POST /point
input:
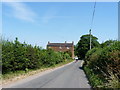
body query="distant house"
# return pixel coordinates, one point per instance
(62, 47)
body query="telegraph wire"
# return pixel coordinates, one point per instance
(92, 24)
(93, 15)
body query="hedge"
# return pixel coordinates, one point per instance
(21, 56)
(104, 63)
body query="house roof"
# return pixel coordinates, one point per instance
(60, 44)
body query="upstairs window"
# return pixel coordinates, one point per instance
(68, 48)
(60, 47)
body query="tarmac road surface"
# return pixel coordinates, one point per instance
(69, 76)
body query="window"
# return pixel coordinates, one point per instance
(60, 47)
(68, 48)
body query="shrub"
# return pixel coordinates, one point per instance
(21, 56)
(104, 63)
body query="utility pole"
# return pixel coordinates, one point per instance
(90, 38)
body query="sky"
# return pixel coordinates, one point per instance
(37, 23)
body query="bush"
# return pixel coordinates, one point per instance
(21, 56)
(104, 63)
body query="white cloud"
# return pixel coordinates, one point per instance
(22, 11)
(49, 15)
(53, 14)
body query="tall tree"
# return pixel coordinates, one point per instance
(83, 45)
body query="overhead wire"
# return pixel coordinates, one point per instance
(93, 15)
(92, 24)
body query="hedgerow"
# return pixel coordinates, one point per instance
(21, 56)
(102, 65)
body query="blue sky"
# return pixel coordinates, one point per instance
(37, 23)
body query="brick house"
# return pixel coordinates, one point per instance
(62, 47)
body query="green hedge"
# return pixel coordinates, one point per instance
(21, 56)
(102, 65)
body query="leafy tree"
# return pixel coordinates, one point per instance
(107, 43)
(7, 56)
(84, 45)
(75, 49)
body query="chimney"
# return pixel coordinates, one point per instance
(48, 42)
(72, 42)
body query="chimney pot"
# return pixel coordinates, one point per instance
(72, 42)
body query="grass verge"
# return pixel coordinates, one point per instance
(94, 80)
(12, 77)
(99, 83)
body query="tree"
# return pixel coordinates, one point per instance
(107, 43)
(75, 50)
(83, 45)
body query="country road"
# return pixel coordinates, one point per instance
(69, 76)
